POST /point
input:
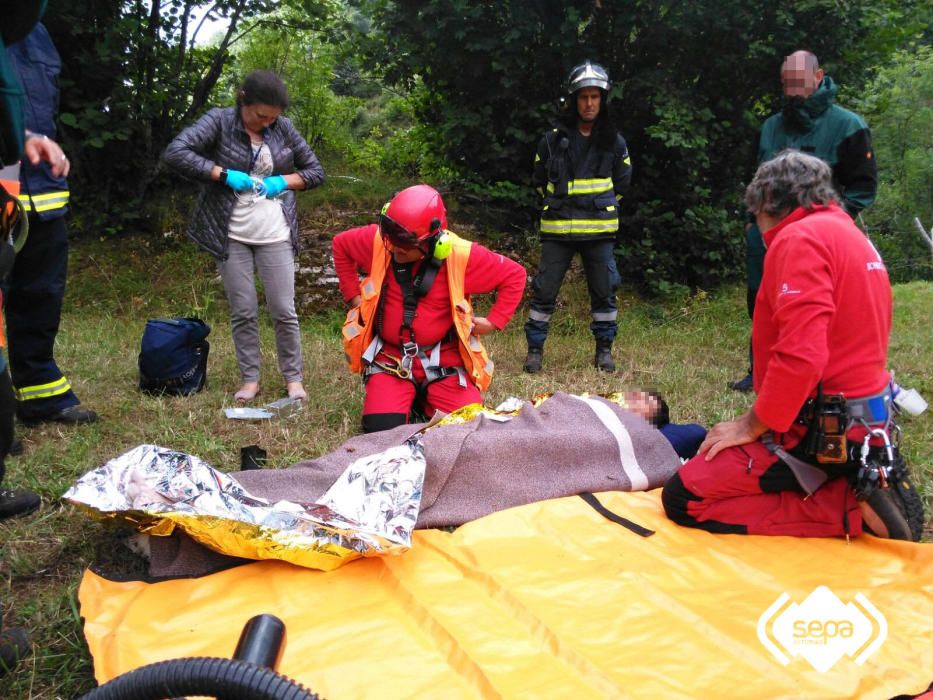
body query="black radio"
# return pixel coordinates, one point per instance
(830, 421)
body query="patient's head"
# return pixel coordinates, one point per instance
(648, 404)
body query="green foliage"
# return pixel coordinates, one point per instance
(132, 75)
(710, 240)
(691, 84)
(898, 105)
(458, 93)
(335, 103)
(389, 140)
(305, 61)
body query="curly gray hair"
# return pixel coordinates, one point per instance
(789, 180)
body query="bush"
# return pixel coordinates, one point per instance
(898, 105)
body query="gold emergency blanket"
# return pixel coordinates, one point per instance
(369, 511)
(550, 600)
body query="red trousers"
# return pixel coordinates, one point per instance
(390, 399)
(748, 490)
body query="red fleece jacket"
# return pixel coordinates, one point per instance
(486, 272)
(823, 311)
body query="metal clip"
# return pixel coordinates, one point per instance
(888, 447)
(863, 454)
(399, 370)
(876, 474)
(884, 471)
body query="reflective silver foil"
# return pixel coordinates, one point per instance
(370, 510)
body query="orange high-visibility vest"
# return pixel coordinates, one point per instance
(359, 328)
(12, 188)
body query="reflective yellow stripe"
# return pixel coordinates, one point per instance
(586, 186)
(579, 226)
(592, 186)
(62, 194)
(45, 202)
(43, 391)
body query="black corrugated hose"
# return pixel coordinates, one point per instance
(229, 679)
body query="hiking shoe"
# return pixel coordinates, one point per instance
(744, 384)
(603, 359)
(16, 503)
(533, 360)
(73, 415)
(16, 447)
(14, 645)
(895, 512)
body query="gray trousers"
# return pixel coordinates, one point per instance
(275, 263)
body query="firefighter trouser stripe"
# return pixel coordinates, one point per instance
(538, 316)
(44, 202)
(605, 315)
(43, 391)
(611, 422)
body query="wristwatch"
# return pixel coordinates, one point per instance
(223, 175)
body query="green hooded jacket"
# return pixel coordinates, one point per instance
(835, 135)
(822, 128)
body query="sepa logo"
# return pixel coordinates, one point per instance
(822, 629)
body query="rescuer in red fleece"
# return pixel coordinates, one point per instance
(411, 331)
(794, 464)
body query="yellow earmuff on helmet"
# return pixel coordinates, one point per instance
(443, 246)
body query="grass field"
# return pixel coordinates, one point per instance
(688, 348)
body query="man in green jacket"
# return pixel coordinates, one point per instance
(812, 122)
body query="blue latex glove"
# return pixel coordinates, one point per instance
(238, 181)
(275, 185)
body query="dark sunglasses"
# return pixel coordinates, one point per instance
(397, 234)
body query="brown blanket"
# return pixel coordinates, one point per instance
(567, 445)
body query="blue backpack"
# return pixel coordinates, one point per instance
(173, 356)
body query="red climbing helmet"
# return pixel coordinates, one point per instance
(415, 215)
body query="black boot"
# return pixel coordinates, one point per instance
(14, 645)
(16, 503)
(603, 359)
(533, 360)
(744, 384)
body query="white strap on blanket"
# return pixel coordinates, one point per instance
(611, 421)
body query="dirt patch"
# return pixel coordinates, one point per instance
(315, 276)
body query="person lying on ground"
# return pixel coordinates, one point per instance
(650, 405)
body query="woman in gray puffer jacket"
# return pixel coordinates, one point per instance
(251, 160)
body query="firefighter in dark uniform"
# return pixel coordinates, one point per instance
(37, 284)
(581, 169)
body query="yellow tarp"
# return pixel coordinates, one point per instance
(548, 600)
